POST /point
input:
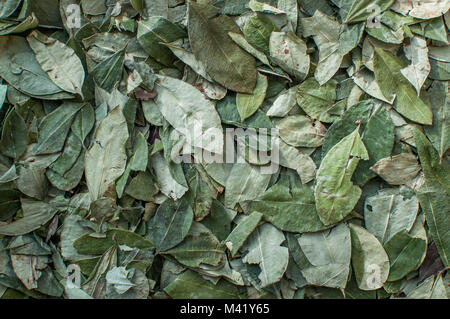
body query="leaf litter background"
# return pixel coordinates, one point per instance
(358, 209)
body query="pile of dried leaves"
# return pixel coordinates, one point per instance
(97, 101)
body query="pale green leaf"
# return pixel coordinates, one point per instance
(190, 285)
(419, 69)
(176, 97)
(264, 249)
(59, 61)
(170, 224)
(300, 131)
(54, 128)
(106, 158)
(225, 61)
(35, 214)
(370, 261)
(248, 104)
(240, 233)
(14, 135)
(325, 32)
(326, 257)
(289, 52)
(391, 81)
(335, 194)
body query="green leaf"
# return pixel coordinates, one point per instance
(301, 131)
(153, 33)
(35, 214)
(326, 257)
(74, 227)
(386, 34)
(9, 203)
(54, 128)
(32, 182)
(14, 135)
(370, 261)
(72, 150)
(388, 213)
(168, 185)
(350, 37)
(434, 29)
(291, 9)
(264, 249)
(106, 158)
(391, 81)
(290, 53)
(95, 284)
(431, 288)
(176, 97)
(142, 187)
(23, 70)
(318, 101)
(244, 44)
(8, 7)
(199, 247)
(435, 203)
(297, 160)
(59, 61)
(247, 104)
(335, 194)
(3, 91)
(170, 224)
(438, 98)
(434, 170)
(90, 245)
(257, 31)
(245, 182)
(361, 10)
(84, 122)
(291, 210)
(26, 23)
(377, 134)
(365, 80)
(219, 220)
(139, 160)
(71, 178)
(189, 59)
(225, 61)
(406, 251)
(108, 72)
(152, 113)
(325, 32)
(93, 7)
(229, 114)
(190, 285)
(138, 181)
(240, 233)
(202, 192)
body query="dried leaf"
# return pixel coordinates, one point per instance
(59, 61)
(225, 61)
(106, 158)
(264, 249)
(335, 194)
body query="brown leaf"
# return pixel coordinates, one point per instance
(432, 265)
(141, 94)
